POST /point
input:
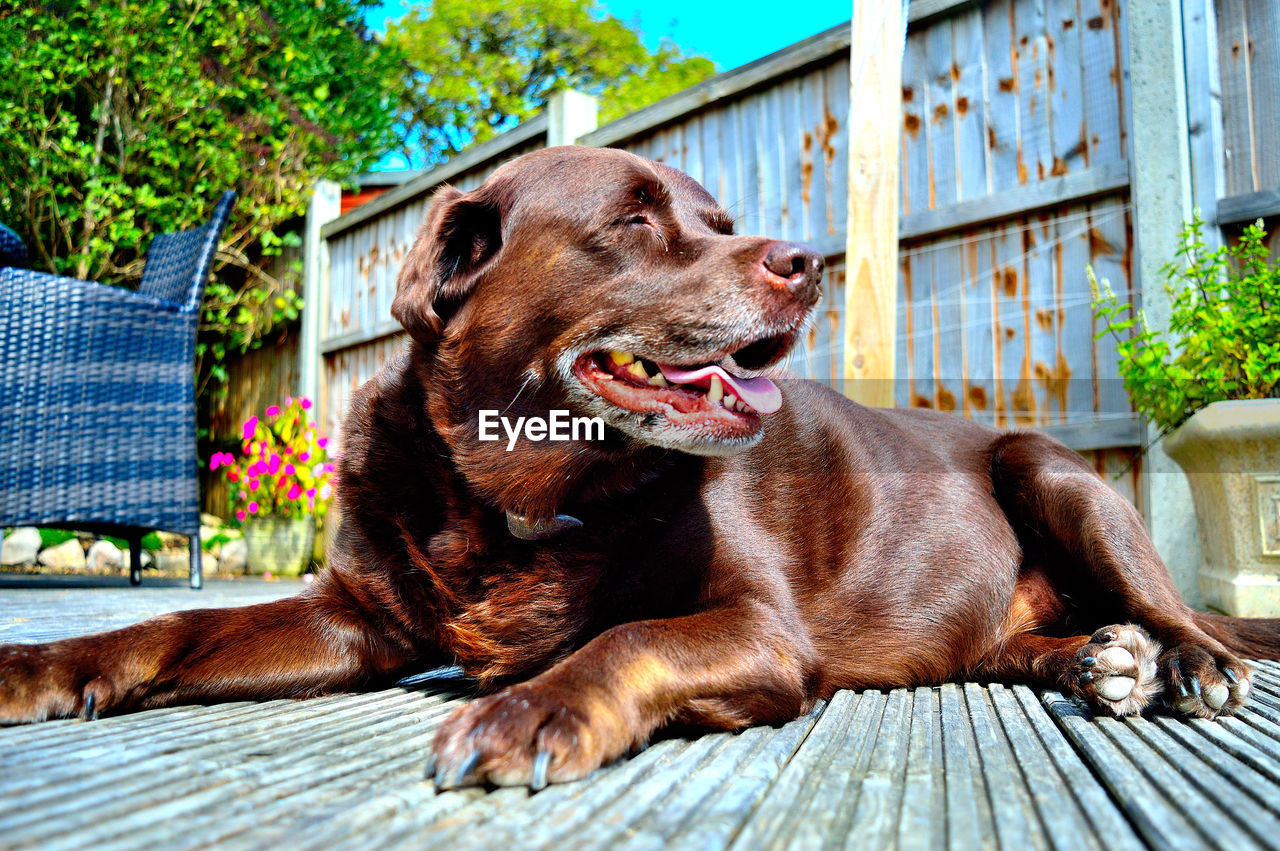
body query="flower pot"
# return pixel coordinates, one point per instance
(1230, 452)
(278, 545)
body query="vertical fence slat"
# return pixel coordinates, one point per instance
(1264, 85)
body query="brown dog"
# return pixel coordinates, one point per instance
(708, 559)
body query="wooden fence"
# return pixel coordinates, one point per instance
(1016, 166)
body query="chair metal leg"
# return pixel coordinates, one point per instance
(135, 558)
(197, 562)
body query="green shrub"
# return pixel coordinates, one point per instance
(1224, 340)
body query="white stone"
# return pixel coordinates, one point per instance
(234, 557)
(67, 555)
(104, 557)
(20, 547)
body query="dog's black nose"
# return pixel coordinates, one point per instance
(799, 267)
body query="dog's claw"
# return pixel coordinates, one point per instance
(1231, 675)
(1086, 677)
(91, 707)
(432, 764)
(541, 763)
(1089, 661)
(1195, 685)
(464, 771)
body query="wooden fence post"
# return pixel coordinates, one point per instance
(570, 115)
(325, 206)
(871, 255)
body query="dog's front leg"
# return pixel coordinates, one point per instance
(293, 647)
(725, 668)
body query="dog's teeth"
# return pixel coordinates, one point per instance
(637, 369)
(730, 401)
(658, 380)
(621, 358)
(716, 391)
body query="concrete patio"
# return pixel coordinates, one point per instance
(961, 765)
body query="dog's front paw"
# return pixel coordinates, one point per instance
(525, 735)
(1204, 684)
(37, 682)
(1116, 671)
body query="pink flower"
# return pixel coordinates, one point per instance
(311, 492)
(295, 492)
(306, 404)
(274, 464)
(322, 442)
(289, 469)
(325, 490)
(273, 411)
(253, 508)
(250, 426)
(253, 484)
(215, 461)
(304, 457)
(241, 515)
(256, 469)
(328, 468)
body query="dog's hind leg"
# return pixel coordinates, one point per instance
(1057, 500)
(308, 644)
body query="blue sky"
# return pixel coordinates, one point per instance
(730, 33)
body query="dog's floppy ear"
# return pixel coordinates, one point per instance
(458, 239)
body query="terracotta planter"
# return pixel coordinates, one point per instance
(1230, 452)
(279, 545)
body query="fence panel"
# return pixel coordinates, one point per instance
(1014, 178)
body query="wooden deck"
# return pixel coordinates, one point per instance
(961, 766)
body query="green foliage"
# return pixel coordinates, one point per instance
(121, 120)
(53, 537)
(487, 64)
(1225, 329)
(283, 469)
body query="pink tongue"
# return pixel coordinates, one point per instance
(760, 393)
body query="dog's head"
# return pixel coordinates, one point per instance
(614, 286)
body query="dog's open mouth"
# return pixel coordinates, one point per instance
(707, 395)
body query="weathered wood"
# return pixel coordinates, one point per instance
(1247, 208)
(978, 315)
(1234, 58)
(1099, 434)
(872, 289)
(789, 62)
(1264, 88)
(969, 106)
(1094, 183)
(969, 767)
(1204, 108)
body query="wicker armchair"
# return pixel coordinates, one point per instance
(97, 395)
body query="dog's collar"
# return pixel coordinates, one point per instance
(539, 530)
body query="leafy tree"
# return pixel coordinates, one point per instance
(121, 119)
(487, 64)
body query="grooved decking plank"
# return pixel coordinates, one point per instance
(958, 765)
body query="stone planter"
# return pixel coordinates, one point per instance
(1230, 452)
(279, 545)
